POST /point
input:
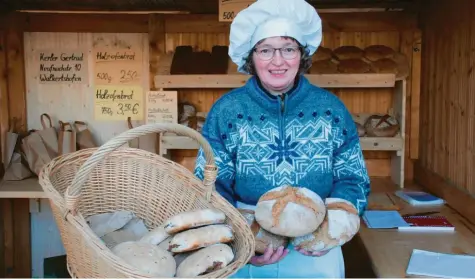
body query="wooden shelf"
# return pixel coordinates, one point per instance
(237, 80)
(367, 143)
(27, 188)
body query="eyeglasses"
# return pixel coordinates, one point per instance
(267, 53)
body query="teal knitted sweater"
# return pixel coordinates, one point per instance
(306, 138)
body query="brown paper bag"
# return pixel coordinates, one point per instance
(16, 167)
(35, 151)
(146, 142)
(11, 138)
(49, 136)
(84, 138)
(66, 138)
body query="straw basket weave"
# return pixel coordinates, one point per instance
(115, 177)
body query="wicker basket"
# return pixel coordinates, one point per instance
(115, 177)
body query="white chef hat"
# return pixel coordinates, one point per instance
(269, 18)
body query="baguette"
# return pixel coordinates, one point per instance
(194, 239)
(192, 219)
(205, 260)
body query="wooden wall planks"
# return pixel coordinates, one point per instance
(447, 107)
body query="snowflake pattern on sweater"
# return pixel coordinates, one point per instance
(305, 138)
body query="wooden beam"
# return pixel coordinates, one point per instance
(237, 80)
(459, 200)
(415, 95)
(3, 99)
(93, 23)
(332, 22)
(16, 71)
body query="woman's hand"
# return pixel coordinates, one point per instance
(311, 254)
(270, 256)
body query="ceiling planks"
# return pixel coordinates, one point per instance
(192, 6)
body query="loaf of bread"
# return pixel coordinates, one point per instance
(402, 63)
(192, 219)
(262, 237)
(341, 223)
(290, 211)
(324, 67)
(147, 258)
(194, 239)
(348, 52)
(205, 260)
(353, 66)
(165, 243)
(322, 53)
(384, 66)
(377, 52)
(155, 236)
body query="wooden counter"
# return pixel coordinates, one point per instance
(27, 189)
(389, 250)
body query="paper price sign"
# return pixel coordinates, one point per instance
(162, 107)
(118, 67)
(118, 102)
(228, 9)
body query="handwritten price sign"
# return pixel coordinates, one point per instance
(228, 9)
(118, 67)
(118, 102)
(162, 107)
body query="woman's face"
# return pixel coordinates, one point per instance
(277, 74)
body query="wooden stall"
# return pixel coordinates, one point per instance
(429, 94)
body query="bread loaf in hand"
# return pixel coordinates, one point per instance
(262, 237)
(205, 260)
(290, 211)
(194, 239)
(341, 223)
(147, 258)
(193, 219)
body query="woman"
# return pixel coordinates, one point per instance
(279, 129)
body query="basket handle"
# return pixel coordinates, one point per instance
(74, 190)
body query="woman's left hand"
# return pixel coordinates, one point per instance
(311, 254)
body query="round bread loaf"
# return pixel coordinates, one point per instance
(155, 236)
(322, 53)
(377, 52)
(324, 67)
(194, 239)
(384, 65)
(340, 225)
(262, 237)
(147, 258)
(205, 260)
(403, 68)
(192, 219)
(348, 52)
(353, 66)
(290, 211)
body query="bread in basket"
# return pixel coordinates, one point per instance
(114, 177)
